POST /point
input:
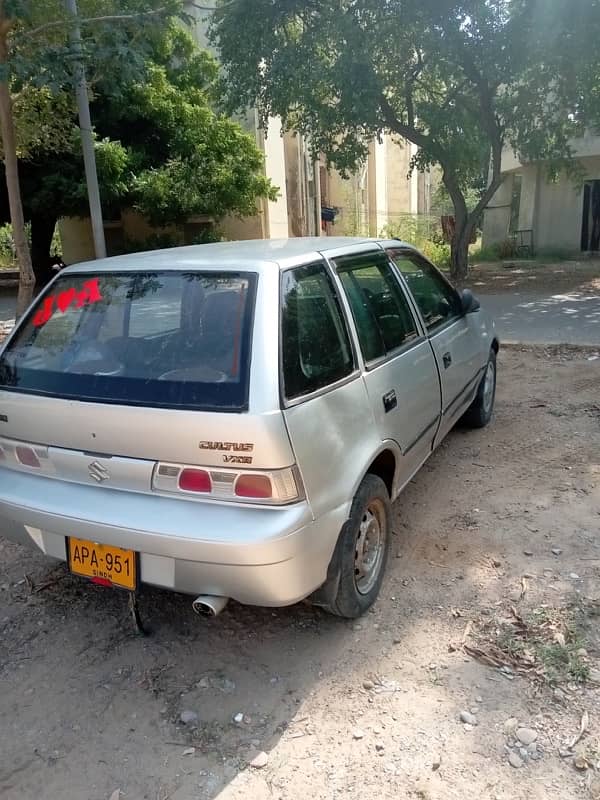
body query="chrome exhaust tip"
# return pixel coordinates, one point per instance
(206, 605)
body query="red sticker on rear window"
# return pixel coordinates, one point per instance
(90, 293)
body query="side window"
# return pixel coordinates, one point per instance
(382, 315)
(315, 347)
(437, 300)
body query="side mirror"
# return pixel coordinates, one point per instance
(469, 302)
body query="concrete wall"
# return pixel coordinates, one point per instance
(496, 221)
(531, 179)
(274, 150)
(587, 146)
(560, 211)
(399, 188)
(76, 239)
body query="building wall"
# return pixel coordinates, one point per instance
(276, 210)
(76, 240)
(560, 212)
(553, 210)
(531, 180)
(496, 220)
(399, 187)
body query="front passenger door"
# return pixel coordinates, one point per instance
(452, 334)
(400, 372)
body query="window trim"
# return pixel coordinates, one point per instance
(440, 326)
(284, 401)
(421, 336)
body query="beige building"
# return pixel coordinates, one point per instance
(563, 215)
(381, 192)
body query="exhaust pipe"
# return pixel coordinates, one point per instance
(208, 606)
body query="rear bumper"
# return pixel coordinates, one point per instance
(259, 556)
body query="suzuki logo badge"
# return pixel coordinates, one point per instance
(98, 472)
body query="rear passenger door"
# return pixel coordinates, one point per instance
(452, 334)
(401, 375)
(327, 410)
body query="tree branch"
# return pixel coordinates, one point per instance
(91, 20)
(414, 135)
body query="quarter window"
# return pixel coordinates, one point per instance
(382, 315)
(438, 302)
(316, 350)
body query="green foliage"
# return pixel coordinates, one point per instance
(442, 202)
(424, 232)
(116, 37)
(499, 251)
(161, 147)
(7, 256)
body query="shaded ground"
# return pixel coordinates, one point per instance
(535, 277)
(363, 710)
(542, 304)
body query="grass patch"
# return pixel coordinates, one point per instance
(546, 645)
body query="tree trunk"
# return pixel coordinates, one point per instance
(459, 254)
(7, 128)
(42, 231)
(463, 227)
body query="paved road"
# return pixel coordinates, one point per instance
(7, 305)
(529, 318)
(571, 318)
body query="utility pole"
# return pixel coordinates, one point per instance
(87, 136)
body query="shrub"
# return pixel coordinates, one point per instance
(424, 232)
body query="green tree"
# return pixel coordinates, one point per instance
(36, 51)
(161, 148)
(460, 79)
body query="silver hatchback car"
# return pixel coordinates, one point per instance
(234, 420)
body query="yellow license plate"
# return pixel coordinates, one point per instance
(103, 563)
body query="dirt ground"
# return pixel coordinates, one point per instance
(496, 559)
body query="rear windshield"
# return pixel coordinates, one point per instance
(173, 339)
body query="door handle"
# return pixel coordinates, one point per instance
(390, 401)
(447, 357)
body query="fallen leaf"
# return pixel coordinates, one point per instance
(116, 794)
(189, 751)
(559, 638)
(523, 587)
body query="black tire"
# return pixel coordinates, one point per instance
(480, 411)
(348, 592)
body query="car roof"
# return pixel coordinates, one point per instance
(244, 255)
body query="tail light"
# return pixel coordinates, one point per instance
(277, 487)
(255, 486)
(26, 456)
(22, 454)
(195, 480)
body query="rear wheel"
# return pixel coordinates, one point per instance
(358, 564)
(480, 412)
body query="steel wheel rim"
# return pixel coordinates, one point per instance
(489, 387)
(370, 547)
